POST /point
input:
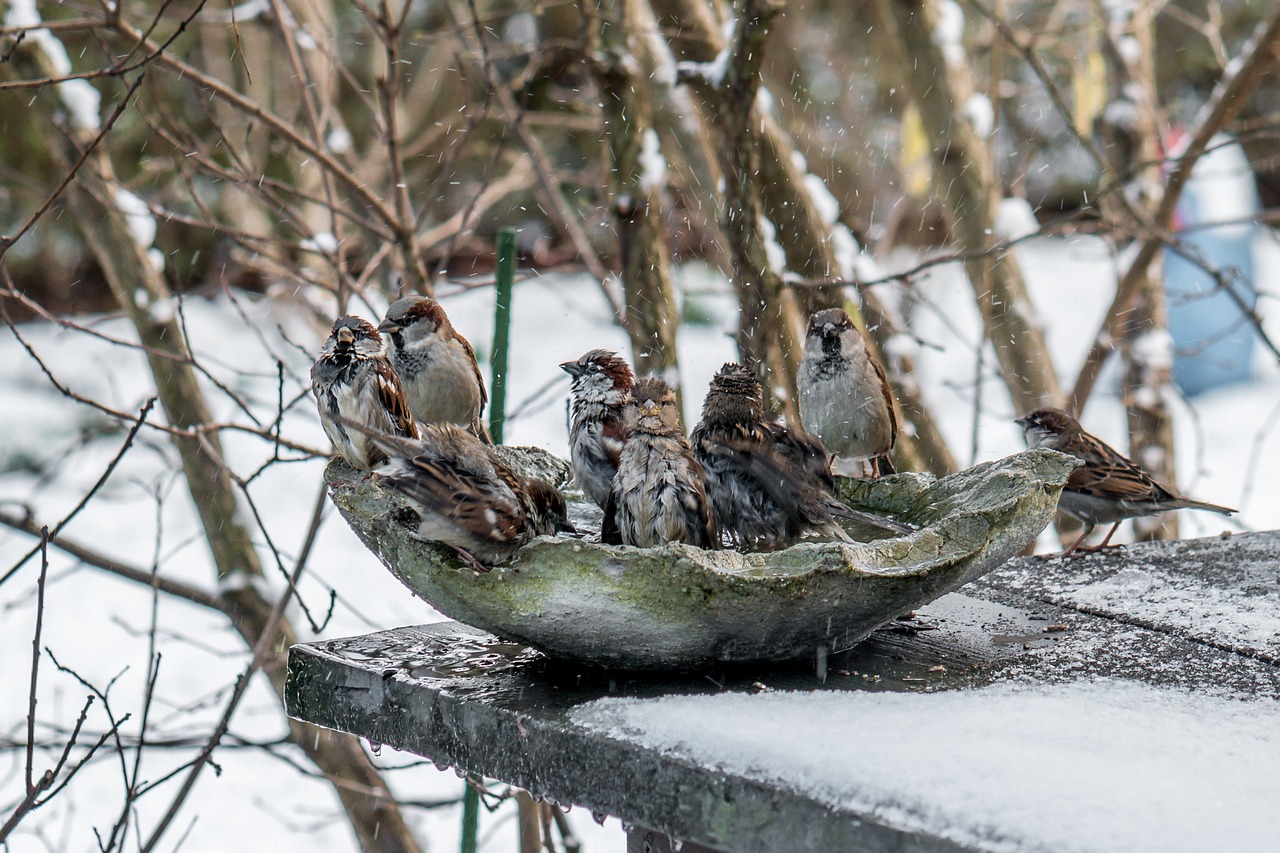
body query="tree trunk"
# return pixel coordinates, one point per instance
(969, 193)
(636, 180)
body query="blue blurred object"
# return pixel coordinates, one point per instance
(1213, 339)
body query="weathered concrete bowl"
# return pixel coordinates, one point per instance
(679, 607)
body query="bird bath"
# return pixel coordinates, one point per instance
(679, 607)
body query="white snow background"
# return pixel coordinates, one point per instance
(97, 624)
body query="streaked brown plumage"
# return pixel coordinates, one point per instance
(601, 383)
(769, 484)
(466, 496)
(845, 398)
(437, 366)
(353, 378)
(1107, 488)
(659, 494)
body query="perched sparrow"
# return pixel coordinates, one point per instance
(466, 496)
(601, 383)
(659, 494)
(768, 484)
(436, 364)
(1107, 487)
(844, 396)
(353, 378)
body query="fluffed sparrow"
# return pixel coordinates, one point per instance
(437, 366)
(353, 378)
(467, 497)
(659, 494)
(845, 398)
(1107, 487)
(768, 484)
(601, 383)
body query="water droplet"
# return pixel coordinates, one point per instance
(375, 748)
(598, 817)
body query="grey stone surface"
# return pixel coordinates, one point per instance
(678, 606)
(469, 700)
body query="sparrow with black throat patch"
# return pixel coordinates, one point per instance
(437, 366)
(353, 378)
(845, 398)
(465, 496)
(769, 484)
(659, 494)
(1107, 488)
(601, 384)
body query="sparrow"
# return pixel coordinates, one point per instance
(659, 494)
(601, 384)
(769, 484)
(1107, 487)
(845, 398)
(353, 377)
(442, 380)
(466, 497)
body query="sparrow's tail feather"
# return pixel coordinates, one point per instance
(1188, 503)
(841, 510)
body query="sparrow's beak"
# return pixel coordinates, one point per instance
(565, 526)
(572, 368)
(1022, 421)
(389, 327)
(828, 330)
(346, 337)
(649, 407)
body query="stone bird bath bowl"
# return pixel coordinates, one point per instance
(679, 607)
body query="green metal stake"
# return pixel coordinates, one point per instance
(470, 815)
(506, 275)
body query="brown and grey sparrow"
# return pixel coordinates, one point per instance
(353, 378)
(1107, 488)
(467, 497)
(769, 484)
(437, 366)
(845, 398)
(659, 494)
(601, 384)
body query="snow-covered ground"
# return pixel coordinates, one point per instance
(53, 449)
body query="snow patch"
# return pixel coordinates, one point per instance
(83, 102)
(653, 166)
(138, 218)
(1154, 350)
(776, 255)
(824, 202)
(339, 140)
(948, 32)
(322, 243)
(981, 114)
(847, 252)
(1008, 767)
(1015, 219)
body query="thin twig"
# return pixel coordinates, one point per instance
(111, 466)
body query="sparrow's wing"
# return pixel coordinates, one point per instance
(487, 509)
(1107, 474)
(391, 396)
(888, 400)
(700, 520)
(475, 368)
(610, 534)
(806, 452)
(802, 495)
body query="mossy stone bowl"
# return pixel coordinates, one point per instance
(680, 607)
